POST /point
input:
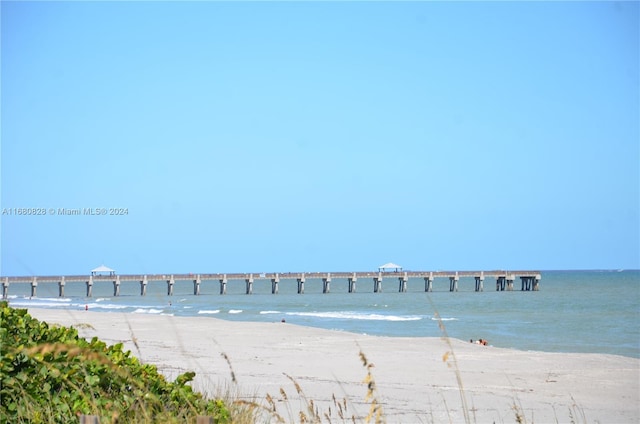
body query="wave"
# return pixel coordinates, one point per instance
(443, 319)
(147, 311)
(269, 312)
(107, 306)
(55, 299)
(217, 311)
(43, 302)
(357, 315)
(235, 311)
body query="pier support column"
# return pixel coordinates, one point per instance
(143, 286)
(196, 285)
(223, 284)
(428, 283)
(530, 282)
(480, 282)
(510, 279)
(352, 283)
(402, 287)
(301, 285)
(500, 282)
(5, 288)
(61, 284)
(170, 283)
(536, 283)
(326, 284)
(453, 283)
(34, 286)
(249, 284)
(274, 284)
(116, 287)
(377, 284)
(90, 286)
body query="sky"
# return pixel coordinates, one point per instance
(319, 136)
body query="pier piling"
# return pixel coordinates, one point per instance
(453, 283)
(223, 284)
(510, 279)
(34, 286)
(326, 284)
(480, 282)
(170, 283)
(352, 283)
(116, 286)
(428, 283)
(301, 284)
(402, 287)
(61, 285)
(274, 284)
(90, 286)
(143, 286)
(249, 283)
(530, 282)
(377, 283)
(196, 285)
(5, 288)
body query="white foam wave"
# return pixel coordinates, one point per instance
(443, 319)
(147, 311)
(108, 306)
(235, 311)
(55, 299)
(45, 303)
(357, 315)
(217, 311)
(269, 312)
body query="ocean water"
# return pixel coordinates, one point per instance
(574, 311)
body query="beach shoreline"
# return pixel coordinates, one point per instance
(416, 377)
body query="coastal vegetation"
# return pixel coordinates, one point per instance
(51, 375)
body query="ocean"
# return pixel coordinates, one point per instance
(574, 311)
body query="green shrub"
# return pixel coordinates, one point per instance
(49, 374)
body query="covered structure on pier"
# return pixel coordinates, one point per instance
(102, 270)
(390, 267)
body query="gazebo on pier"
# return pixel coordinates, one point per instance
(103, 270)
(390, 267)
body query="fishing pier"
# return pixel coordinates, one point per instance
(530, 280)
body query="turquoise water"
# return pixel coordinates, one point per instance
(574, 311)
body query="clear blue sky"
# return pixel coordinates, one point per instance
(292, 136)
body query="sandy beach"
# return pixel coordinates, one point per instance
(414, 383)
